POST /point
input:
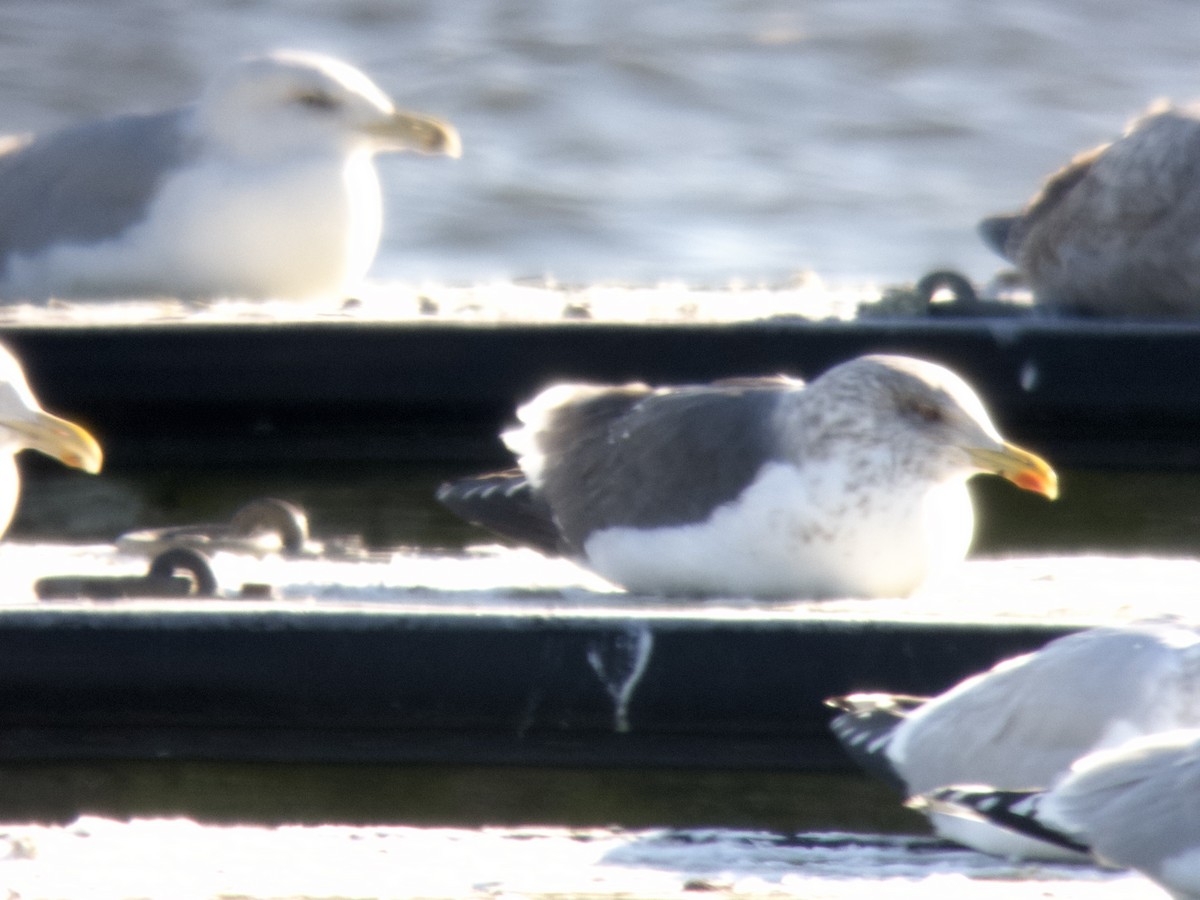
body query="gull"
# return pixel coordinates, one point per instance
(264, 187)
(1023, 723)
(853, 485)
(1131, 806)
(24, 425)
(1116, 232)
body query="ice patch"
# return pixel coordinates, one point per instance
(101, 859)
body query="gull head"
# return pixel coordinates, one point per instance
(290, 102)
(927, 421)
(24, 425)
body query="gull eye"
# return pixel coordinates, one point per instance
(318, 100)
(924, 411)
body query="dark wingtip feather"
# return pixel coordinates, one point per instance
(897, 705)
(505, 503)
(865, 730)
(996, 232)
(865, 727)
(1013, 810)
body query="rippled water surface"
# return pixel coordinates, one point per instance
(647, 139)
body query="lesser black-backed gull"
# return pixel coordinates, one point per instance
(854, 485)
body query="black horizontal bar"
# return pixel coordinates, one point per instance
(1088, 393)
(337, 685)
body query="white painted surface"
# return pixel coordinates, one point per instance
(100, 859)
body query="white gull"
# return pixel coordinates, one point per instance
(264, 187)
(1131, 806)
(1024, 722)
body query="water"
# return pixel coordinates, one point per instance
(639, 140)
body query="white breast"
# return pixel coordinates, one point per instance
(307, 229)
(10, 487)
(797, 534)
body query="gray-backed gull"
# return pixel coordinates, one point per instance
(853, 485)
(1024, 722)
(1131, 806)
(264, 187)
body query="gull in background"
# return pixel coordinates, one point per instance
(265, 187)
(1116, 232)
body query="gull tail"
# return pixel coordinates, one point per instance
(505, 503)
(1015, 811)
(997, 231)
(865, 727)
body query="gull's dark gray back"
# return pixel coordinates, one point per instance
(87, 183)
(632, 458)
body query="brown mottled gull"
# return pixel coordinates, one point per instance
(1117, 231)
(854, 485)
